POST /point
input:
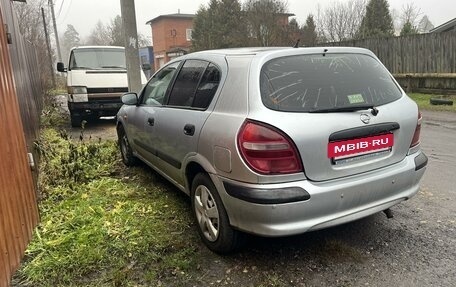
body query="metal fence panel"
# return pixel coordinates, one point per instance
(20, 107)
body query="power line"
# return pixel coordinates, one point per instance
(60, 9)
(66, 13)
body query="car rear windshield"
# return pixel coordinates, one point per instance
(308, 83)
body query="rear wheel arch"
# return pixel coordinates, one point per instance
(195, 163)
(191, 170)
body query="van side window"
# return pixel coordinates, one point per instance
(186, 85)
(72, 61)
(155, 90)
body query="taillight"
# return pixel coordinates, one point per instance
(268, 150)
(416, 135)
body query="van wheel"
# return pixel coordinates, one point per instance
(76, 121)
(125, 149)
(211, 217)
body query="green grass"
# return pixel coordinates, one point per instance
(102, 224)
(106, 225)
(423, 102)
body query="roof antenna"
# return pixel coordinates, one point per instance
(374, 112)
(297, 44)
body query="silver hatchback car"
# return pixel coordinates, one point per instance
(276, 141)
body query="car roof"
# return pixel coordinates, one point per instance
(273, 50)
(97, 47)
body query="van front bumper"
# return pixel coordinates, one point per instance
(296, 207)
(94, 108)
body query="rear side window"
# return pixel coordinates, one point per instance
(306, 83)
(187, 83)
(207, 87)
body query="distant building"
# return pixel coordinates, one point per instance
(445, 27)
(284, 18)
(171, 36)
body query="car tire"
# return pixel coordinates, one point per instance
(76, 121)
(436, 101)
(125, 149)
(211, 218)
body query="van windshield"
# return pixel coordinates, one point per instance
(330, 82)
(97, 58)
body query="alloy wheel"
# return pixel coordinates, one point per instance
(207, 213)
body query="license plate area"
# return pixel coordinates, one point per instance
(345, 151)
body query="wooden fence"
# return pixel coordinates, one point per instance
(424, 61)
(20, 106)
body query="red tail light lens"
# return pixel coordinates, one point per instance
(268, 150)
(416, 135)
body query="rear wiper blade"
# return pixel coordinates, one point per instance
(374, 110)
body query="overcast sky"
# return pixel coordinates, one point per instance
(84, 14)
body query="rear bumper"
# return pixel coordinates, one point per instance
(323, 204)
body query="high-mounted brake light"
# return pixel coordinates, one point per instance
(268, 150)
(416, 135)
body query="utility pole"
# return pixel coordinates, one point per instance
(55, 31)
(48, 47)
(127, 8)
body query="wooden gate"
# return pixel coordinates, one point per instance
(18, 203)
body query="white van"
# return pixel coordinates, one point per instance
(96, 78)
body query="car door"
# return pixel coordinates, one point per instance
(142, 119)
(179, 122)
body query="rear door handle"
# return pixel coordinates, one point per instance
(150, 121)
(189, 129)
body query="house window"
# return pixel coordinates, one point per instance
(188, 33)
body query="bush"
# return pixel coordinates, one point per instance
(68, 164)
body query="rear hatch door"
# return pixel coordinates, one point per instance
(344, 112)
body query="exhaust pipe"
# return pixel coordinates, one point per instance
(389, 213)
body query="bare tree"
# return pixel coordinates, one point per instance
(143, 41)
(410, 14)
(32, 29)
(340, 20)
(407, 21)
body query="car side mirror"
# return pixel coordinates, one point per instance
(130, 99)
(61, 67)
